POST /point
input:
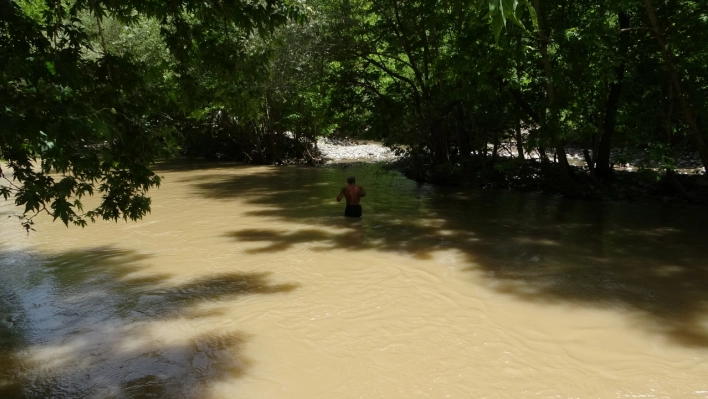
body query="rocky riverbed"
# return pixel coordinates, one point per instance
(345, 150)
(626, 185)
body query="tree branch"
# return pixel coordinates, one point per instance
(407, 47)
(400, 77)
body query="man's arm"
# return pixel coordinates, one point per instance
(362, 192)
(341, 194)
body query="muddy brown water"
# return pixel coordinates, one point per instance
(246, 282)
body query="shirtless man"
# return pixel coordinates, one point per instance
(353, 194)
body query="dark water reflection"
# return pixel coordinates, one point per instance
(647, 258)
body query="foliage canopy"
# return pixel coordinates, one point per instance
(93, 92)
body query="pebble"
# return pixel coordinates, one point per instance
(344, 151)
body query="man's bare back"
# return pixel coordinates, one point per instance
(353, 194)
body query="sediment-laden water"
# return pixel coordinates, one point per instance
(246, 282)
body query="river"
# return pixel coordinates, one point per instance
(246, 282)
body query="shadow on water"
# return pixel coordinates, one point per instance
(93, 324)
(189, 165)
(645, 260)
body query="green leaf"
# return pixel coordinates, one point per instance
(532, 13)
(498, 22)
(5, 192)
(50, 67)
(499, 12)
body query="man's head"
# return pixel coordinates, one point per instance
(351, 180)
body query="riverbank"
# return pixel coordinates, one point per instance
(634, 178)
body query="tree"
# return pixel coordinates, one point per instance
(78, 118)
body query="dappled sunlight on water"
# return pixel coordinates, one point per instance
(248, 282)
(97, 321)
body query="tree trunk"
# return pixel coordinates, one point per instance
(542, 155)
(298, 147)
(268, 132)
(440, 148)
(563, 162)
(519, 138)
(676, 185)
(688, 114)
(552, 120)
(591, 166)
(495, 148)
(463, 142)
(603, 170)
(589, 162)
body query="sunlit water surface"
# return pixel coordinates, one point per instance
(246, 282)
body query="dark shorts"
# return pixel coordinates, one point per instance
(353, 211)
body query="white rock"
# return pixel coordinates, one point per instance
(354, 152)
